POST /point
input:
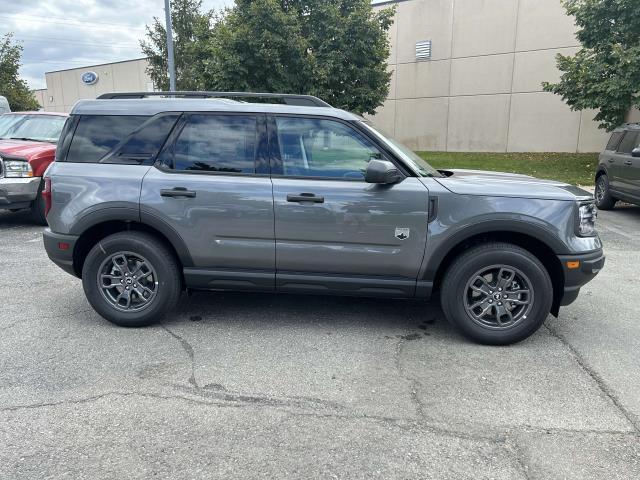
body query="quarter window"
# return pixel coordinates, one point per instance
(323, 148)
(95, 136)
(217, 143)
(629, 141)
(614, 141)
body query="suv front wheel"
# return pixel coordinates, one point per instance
(497, 293)
(131, 279)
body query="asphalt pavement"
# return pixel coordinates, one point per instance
(277, 386)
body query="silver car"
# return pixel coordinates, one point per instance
(151, 196)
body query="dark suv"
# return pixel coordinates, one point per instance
(152, 196)
(618, 172)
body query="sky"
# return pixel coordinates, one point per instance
(60, 34)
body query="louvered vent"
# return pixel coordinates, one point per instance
(423, 50)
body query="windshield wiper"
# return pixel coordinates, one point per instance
(28, 139)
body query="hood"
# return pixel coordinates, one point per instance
(500, 184)
(25, 149)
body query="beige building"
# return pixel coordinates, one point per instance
(467, 76)
(66, 87)
(480, 89)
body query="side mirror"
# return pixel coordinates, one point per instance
(383, 172)
(635, 152)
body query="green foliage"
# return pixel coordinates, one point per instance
(573, 168)
(11, 85)
(605, 73)
(191, 37)
(335, 49)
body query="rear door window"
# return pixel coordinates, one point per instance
(96, 135)
(629, 141)
(216, 143)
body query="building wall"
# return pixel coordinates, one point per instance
(65, 87)
(40, 95)
(481, 90)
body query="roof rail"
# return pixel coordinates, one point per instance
(287, 98)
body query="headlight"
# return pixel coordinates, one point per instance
(587, 214)
(17, 169)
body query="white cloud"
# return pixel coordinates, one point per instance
(73, 33)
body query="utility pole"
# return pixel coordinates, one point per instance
(172, 67)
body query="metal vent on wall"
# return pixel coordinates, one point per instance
(423, 50)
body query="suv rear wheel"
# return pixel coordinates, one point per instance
(131, 279)
(497, 293)
(602, 195)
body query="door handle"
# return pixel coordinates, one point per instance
(177, 192)
(627, 162)
(305, 197)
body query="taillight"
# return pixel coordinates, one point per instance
(46, 195)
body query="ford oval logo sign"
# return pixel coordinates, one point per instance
(89, 78)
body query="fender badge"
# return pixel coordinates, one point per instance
(402, 233)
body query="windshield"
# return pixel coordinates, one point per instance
(408, 156)
(39, 128)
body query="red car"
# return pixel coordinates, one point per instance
(27, 147)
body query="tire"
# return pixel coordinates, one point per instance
(461, 290)
(602, 194)
(117, 259)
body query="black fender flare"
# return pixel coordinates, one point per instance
(131, 213)
(445, 246)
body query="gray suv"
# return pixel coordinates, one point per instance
(618, 172)
(153, 194)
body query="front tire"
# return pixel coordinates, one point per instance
(131, 279)
(602, 194)
(497, 294)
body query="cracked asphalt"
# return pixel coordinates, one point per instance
(259, 386)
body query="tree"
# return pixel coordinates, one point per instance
(11, 85)
(335, 49)
(605, 73)
(192, 38)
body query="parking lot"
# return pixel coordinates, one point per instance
(259, 386)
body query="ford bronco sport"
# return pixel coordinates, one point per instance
(618, 172)
(150, 196)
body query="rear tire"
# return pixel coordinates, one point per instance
(131, 279)
(602, 194)
(497, 294)
(38, 208)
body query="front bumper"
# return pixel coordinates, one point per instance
(18, 192)
(60, 248)
(575, 278)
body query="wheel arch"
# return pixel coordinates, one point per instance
(531, 240)
(602, 170)
(102, 229)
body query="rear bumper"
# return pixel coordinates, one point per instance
(60, 248)
(18, 192)
(576, 278)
